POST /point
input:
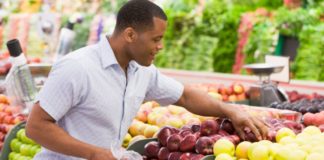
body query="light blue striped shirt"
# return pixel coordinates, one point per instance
(87, 93)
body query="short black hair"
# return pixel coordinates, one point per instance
(139, 15)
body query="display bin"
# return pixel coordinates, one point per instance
(138, 147)
(10, 136)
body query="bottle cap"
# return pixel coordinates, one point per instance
(14, 47)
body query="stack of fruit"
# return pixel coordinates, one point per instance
(190, 141)
(295, 96)
(314, 119)
(196, 141)
(303, 106)
(307, 145)
(9, 116)
(22, 147)
(151, 117)
(235, 92)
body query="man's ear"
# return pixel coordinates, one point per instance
(130, 34)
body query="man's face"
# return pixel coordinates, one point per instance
(148, 43)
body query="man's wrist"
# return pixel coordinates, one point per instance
(228, 110)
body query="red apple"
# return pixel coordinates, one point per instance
(197, 157)
(209, 127)
(8, 119)
(174, 156)
(195, 128)
(188, 143)
(241, 97)
(227, 126)
(235, 139)
(173, 142)
(18, 119)
(185, 127)
(215, 137)
(204, 145)
(232, 98)
(250, 137)
(163, 135)
(152, 149)
(186, 156)
(2, 136)
(238, 88)
(183, 133)
(222, 90)
(222, 133)
(163, 153)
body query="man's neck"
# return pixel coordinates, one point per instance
(119, 51)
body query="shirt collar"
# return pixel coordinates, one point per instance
(108, 57)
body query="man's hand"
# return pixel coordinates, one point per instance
(199, 102)
(102, 154)
(241, 120)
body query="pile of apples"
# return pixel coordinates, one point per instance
(151, 117)
(295, 96)
(316, 119)
(191, 141)
(22, 147)
(195, 141)
(307, 145)
(235, 92)
(9, 116)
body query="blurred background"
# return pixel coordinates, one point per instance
(202, 35)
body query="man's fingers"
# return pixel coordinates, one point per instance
(240, 132)
(254, 129)
(262, 126)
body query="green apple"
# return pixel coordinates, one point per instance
(25, 139)
(315, 156)
(12, 155)
(126, 140)
(287, 153)
(24, 149)
(251, 149)
(224, 146)
(287, 140)
(284, 132)
(312, 130)
(260, 152)
(20, 133)
(242, 149)
(33, 150)
(15, 145)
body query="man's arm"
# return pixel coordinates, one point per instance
(199, 102)
(41, 127)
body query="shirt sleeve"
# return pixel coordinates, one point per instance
(63, 88)
(163, 89)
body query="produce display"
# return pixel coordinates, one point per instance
(295, 96)
(218, 137)
(22, 147)
(232, 93)
(9, 116)
(316, 119)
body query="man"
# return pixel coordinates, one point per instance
(92, 94)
